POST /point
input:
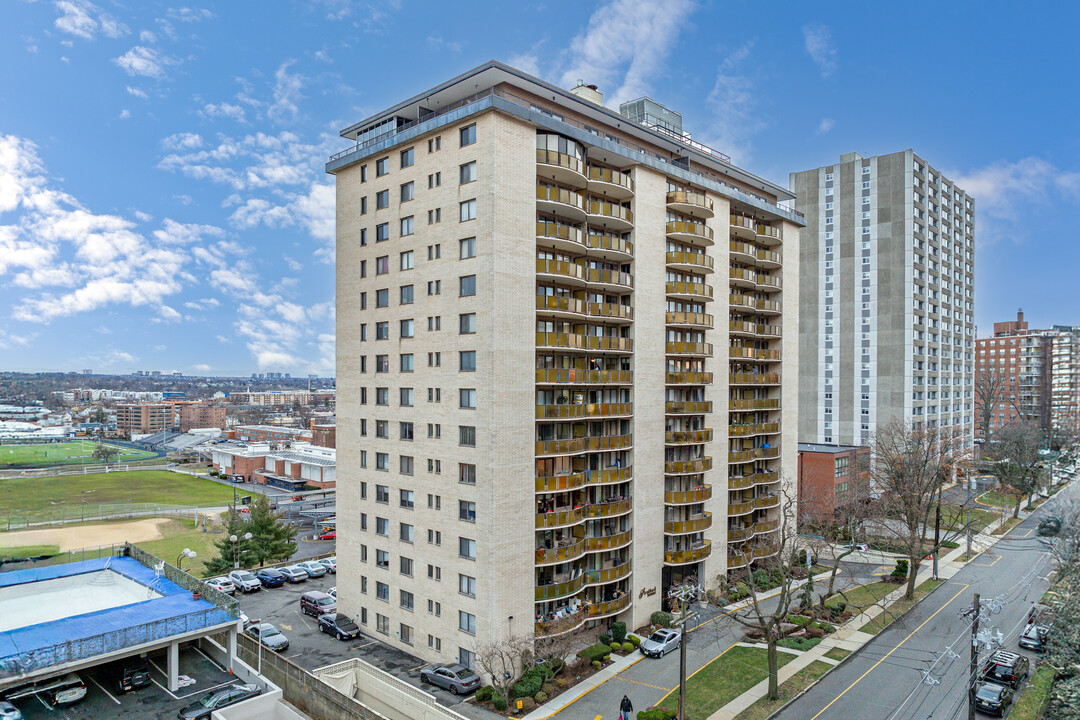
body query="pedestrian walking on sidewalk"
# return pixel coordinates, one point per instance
(625, 708)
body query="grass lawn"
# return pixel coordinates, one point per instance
(794, 685)
(979, 518)
(802, 644)
(180, 534)
(1009, 525)
(76, 452)
(25, 551)
(1032, 701)
(899, 607)
(726, 678)
(997, 499)
(837, 653)
(863, 596)
(46, 497)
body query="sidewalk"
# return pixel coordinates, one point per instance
(584, 688)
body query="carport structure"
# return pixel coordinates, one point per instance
(65, 618)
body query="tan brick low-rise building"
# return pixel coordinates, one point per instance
(832, 478)
(534, 298)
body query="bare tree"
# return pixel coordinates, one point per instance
(910, 466)
(989, 393)
(555, 646)
(500, 659)
(1015, 459)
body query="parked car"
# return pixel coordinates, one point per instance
(293, 573)
(270, 577)
(269, 636)
(9, 711)
(317, 603)
(328, 535)
(244, 580)
(63, 691)
(312, 568)
(661, 642)
(223, 584)
(332, 592)
(330, 564)
(992, 698)
(127, 675)
(458, 679)
(861, 547)
(1034, 637)
(202, 708)
(340, 626)
(1006, 668)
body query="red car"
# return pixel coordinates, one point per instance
(329, 535)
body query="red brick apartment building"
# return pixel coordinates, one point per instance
(149, 418)
(831, 477)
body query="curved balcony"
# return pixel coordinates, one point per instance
(739, 534)
(758, 354)
(699, 292)
(688, 467)
(691, 349)
(608, 607)
(573, 376)
(737, 560)
(607, 509)
(766, 502)
(561, 447)
(561, 271)
(560, 306)
(688, 437)
(560, 483)
(566, 411)
(608, 542)
(561, 202)
(767, 235)
(768, 259)
(614, 280)
(547, 556)
(556, 591)
(607, 575)
(563, 341)
(689, 261)
(609, 476)
(612, 312)
(688, 497)
(744, 508)
(749, 303)
(685, 527)
(752, 404)
(561, 518)
(605, 343)
(741, 482)
(700, 321)
(678, 407)
(690, 203)
(751, 429)
(610, 215)
(610, 182)
(609, 442)
(609, 247)
(767, 283)
(741, 456)
(689, 378)
(561, 167)
(568, 238)
(766, 526)
(741, 277)
(684, 557)
(687, 231)
(752, 329)
(599, 410)
(562, 625)
(743, 227)
(742, 252)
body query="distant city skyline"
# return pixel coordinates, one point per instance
(163, 203)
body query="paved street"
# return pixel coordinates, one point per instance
(885, 679)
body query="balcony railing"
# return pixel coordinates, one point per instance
(685, 437)
(766, 526)
(752, 303)
(559, 483)
(767, 501)
(751, 328)
(740, 534)
(678, 287)
(745, 404)
(688, 467)
(573, 376)
(678, 407)
(687, 497)
(689, 378)
(608, 509)
(688, 318)
(560, 195)
(745, 378)
(610, 210)
(609, 607)
(741, 508)
(546, 556)
(746, 353)
(682, 557)
(553, 303)
(611, 311)
(561, 269)
(559, 231)
(555, 591)
(608, 542)
(741, 456)
(609, 277)
(695, 202)
(560, 518)
(566, 411)
(561, 447)
(770, 233)
(607, 575)
(553, 157)
(609, 476)
(683, 527)
(689, 348)
(612, 243)
(690, 230)
(611, 177)
(681, 257)
(748, 429)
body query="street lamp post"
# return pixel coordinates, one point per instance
(185, 553)
(236, 548)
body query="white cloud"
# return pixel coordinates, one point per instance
(293, 264)
(733, 105)
(137, 92)
(819, 45)
(225, 110)
(186, 14)
(174, 233)
(168, 314)
(82, 19)
(143, 61)
(201, 367)
(125, 114)
(440, 44)
(825, 125)
(182, 141)
(147, 37)
(287, 94)
(626, 42)
(526, 62)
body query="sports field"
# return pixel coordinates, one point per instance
(75, 452)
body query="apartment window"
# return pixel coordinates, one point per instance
(363, 209)
(407, 191)
(407, 158)
(434, 216)
(407, 328)
(468, 210)
(434, 180)
(466, 511)
(382, 265)
(434, 466)
(434, 537)
(382, 560)
(405, 467)
(363, 173)
(434, 395)
(467, 548)
(467, 658)
(467, 473)
(434, 144)
(467, 398)
(407, 362)
(434, 252)
(407, 600)
(382, 363)
(468, 172)
(405, 396)
(382, 167)
(406, 430)
(382, 396)
(408, 260)
(467, 247)
(382, 331)
(382, 461)
(405, 533)
(406, 499)
(434, 572)
(468, 135)
(407, 226)
(467, 436)
(406, 295)
(467, 323)
(382, 199)
(433, 642)
(382, 494)
(466, 622)
(382, 624)
(434, 430)
(382, 297)
(467, 285)
(467, 361)
(842, 462)
(382, 232)
(381, 428)
(467, 585)
(434, 502)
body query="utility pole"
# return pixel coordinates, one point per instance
(967, 504)
(974, 669)
(937, 535)
(684, 594)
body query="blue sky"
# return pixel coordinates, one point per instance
(163, 204)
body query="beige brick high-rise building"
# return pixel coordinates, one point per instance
(536, 433)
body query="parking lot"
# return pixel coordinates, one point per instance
(198, 675)
(310, 649)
